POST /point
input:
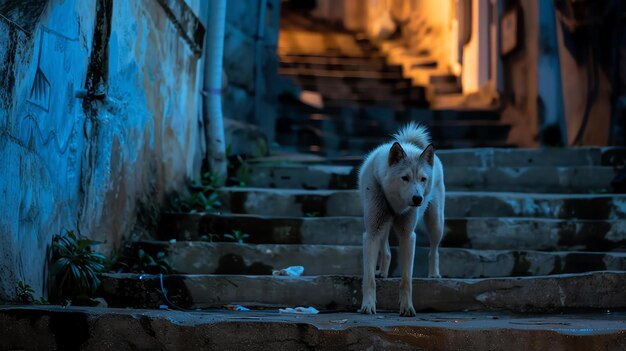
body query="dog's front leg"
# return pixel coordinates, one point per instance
(435, 225)
(385, 258)
(372, 240)
(407, 253)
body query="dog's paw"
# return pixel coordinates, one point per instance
(368, 306)
(434, 275)
(370, 309)
(380, 275)
(407, 310)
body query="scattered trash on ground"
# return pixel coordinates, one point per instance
(236, 308)
(299, 310)
(173, 241)
(292, 271)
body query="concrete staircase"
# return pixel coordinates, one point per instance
(365, 98)
(526, 230)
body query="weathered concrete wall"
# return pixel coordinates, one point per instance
(244, 39)
(585, 53)
(520, 70)
(95, 166)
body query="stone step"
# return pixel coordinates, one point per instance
(343, 74)
(494, 157)
(471, 233)
(38, 328)
(442, 132)
(323, 82)
(315, 63)
(297, 203)
(581, 179)
(196, 257)
(598, 290)
(443, 78)
(331, 56)
(374, 64)
(334, 146)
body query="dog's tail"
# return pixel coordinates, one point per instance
(415, 134)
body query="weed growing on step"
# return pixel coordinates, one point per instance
(209, 237)
(142, 262)
(76, 268)
(237, 236)
(239, 171)
(598, 191)
(145, 263)
(210, 181)
(312, 214)
(470, 183)
(204, 199)
(24, 293)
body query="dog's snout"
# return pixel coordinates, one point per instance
(417, 200)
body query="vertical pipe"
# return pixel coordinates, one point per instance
(213, 123)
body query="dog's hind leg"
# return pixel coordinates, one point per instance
(385, 258)
(435, 225)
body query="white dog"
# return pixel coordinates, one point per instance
(401, 184)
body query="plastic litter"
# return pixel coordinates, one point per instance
(236, 308)
(292, 271)
(339, 321)
(299, 310)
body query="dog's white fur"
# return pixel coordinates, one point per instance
(392, 180)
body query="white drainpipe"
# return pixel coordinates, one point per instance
(212, 112)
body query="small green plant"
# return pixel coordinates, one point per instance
(237, 236)
(312, 214)
(243, 175)
(210, 181)
(209, 237)
(24, 293)
(76, 269)
(139, 261)
(205, 199)
(598, 191)
(202, 201)
(144, 263)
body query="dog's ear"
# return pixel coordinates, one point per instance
(396, 154)
(428, 155)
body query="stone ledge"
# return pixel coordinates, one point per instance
(498, 157)
(472, 233)
(598, 290)
(122, 329)
(298, 202)
(465, 178)
(199, 257)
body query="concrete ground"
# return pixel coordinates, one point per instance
(55, 327)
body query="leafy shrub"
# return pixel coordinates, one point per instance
(76, 269)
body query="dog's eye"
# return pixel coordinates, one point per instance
(423, 179)
(405, 178)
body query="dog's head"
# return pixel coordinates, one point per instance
(409, 177)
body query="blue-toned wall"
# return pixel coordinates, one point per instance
(102, 167)
(243, 40)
